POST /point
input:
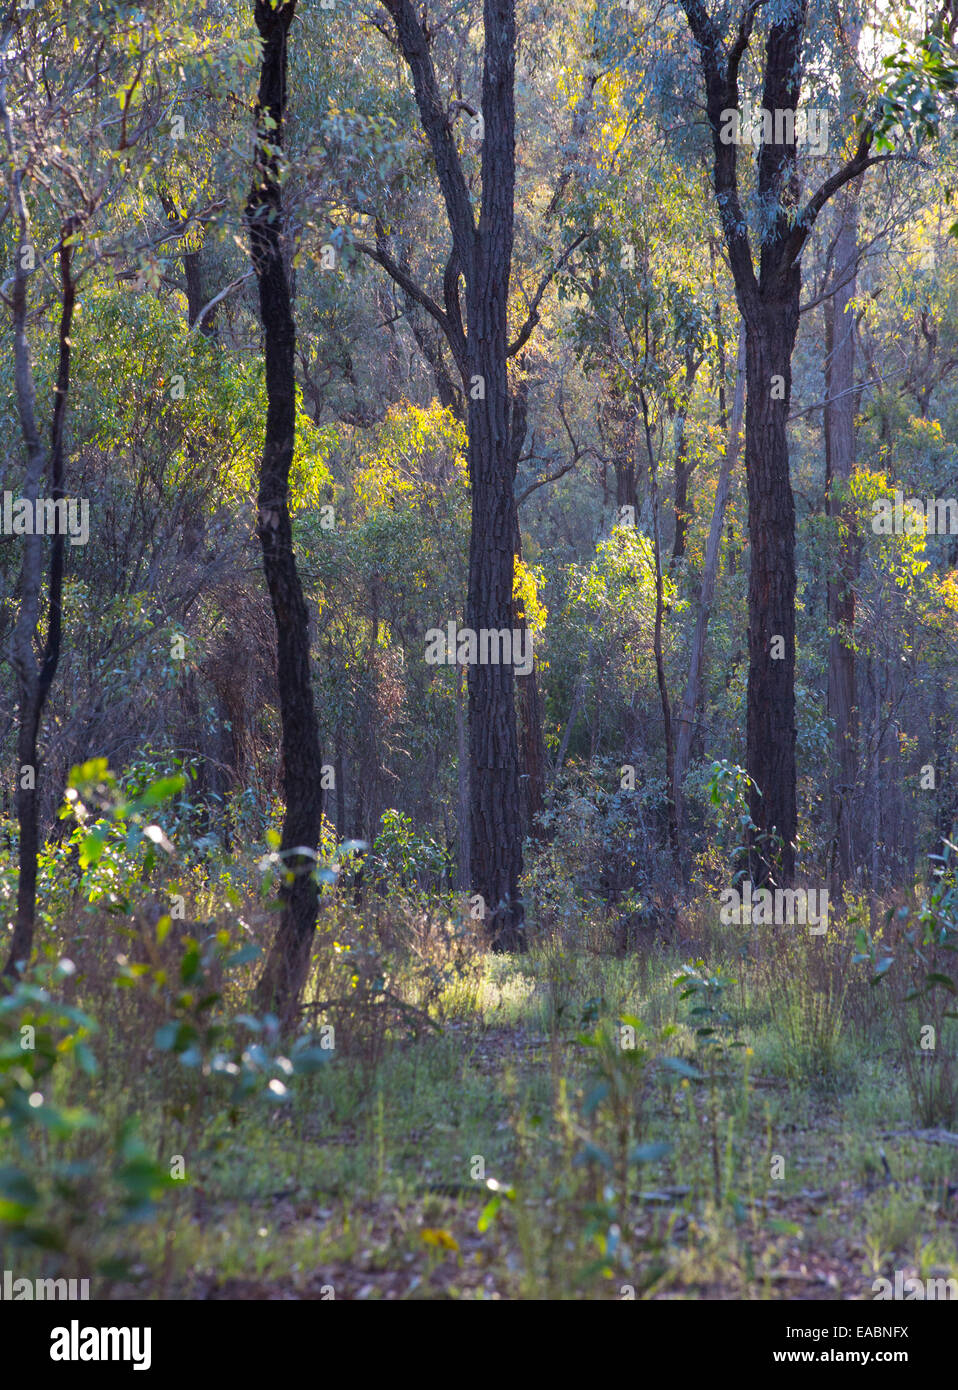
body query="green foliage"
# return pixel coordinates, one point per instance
(116, 840)
(150, 1045)
(52, 1198)
(919, 80)
(239, 1054)
(707, 990)
(408, 859)
(920, 973)
(204, 407)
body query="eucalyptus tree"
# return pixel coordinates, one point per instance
(768, 293)
(466, 142)
(287, 964)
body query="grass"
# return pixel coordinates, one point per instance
(516, 1150)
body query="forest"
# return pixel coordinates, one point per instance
(479, 651)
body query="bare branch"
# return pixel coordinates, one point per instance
(233, 285)
(405, 282)
(805, 222)
(532, 317)
(414, 44)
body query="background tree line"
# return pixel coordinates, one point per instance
(472, 314)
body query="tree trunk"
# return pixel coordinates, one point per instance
(464, 877)
(33, 681)
(946, 793)
(496, 812)
(693, 685)
(483, 255)
(875, 876)
(287, 964)
(770, 754)
(839, 422)
(683, 467)
(670, 810)
(769, 303)
(339, 774)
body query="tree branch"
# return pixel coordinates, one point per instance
(405, 283)
(721, 94)
(233, 285)
(805, 221)
(532, 318)
(415, 49)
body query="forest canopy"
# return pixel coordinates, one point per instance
(479, 616)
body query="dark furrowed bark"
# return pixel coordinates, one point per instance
(287, 964)
(496, 813)
(771, 593)
(483, 255)
(769, 305)
(34, 684)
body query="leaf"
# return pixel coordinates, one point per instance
(882, 968)
(311, 1059)
(91, 849)
(12, 1213)
(489, 1213)
(243, 955)
(157, 836)
(785, 1228)
(443, 1240)
(682, 1068)
(649, 1153)
(164, 1036)
(160, 791)
(593, 1154)
(595, 1097)
(89, 773)
(190, 964)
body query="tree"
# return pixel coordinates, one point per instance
(34, 678)
(287, 964)
(481, 253)
(693, 685)
(768, 301)
(839, 421)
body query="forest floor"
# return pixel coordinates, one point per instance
(523, 1147)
